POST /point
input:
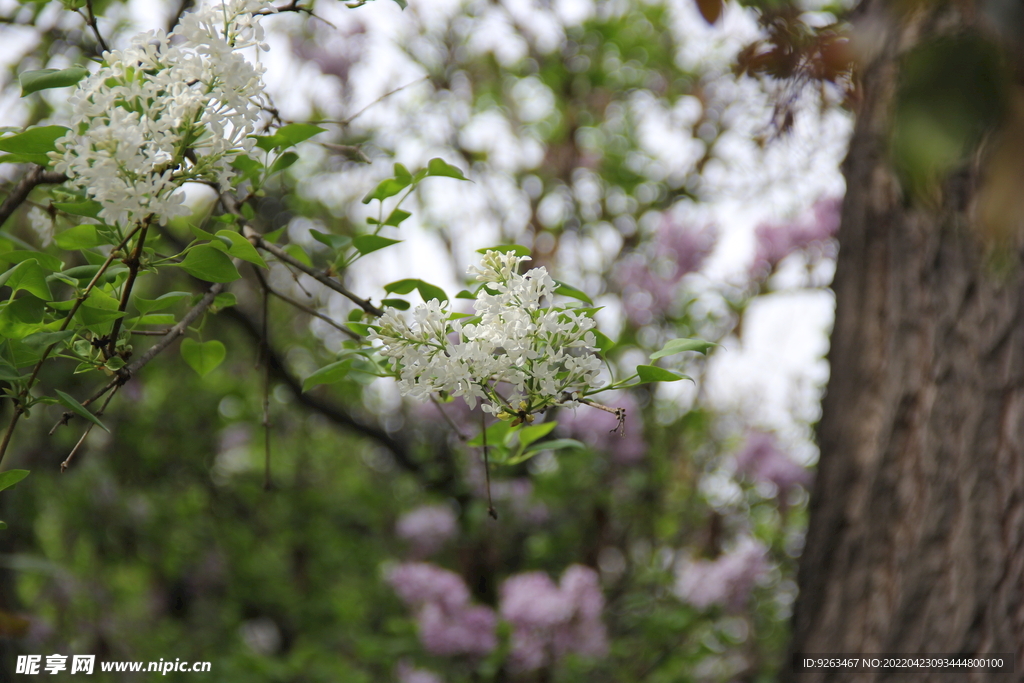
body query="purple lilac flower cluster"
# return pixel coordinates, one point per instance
(726, 580)
(812, 233)
(649, 280)
(761, 460)
(448, 623)
(427, 528)
(548, 620)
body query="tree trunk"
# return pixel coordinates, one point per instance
(916, 538)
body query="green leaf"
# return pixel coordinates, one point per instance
(209, 264)
(533, 449)
(679, 345)
(11, 477)
(366, 244)
(155, 319)
(402, 3)
(400, 304)
(569, 290)
(9, 373)
(396, 217)
(82, 236)
(517, 249)
(294, 133)
(388, 187)
(426, 290)
(329, 374)
(42, 340)
(45, 260)
(167, 300)
(495, 434)
(331, 240)
(299, 254)
(38, 140)
(242, 248)
(528, 435)
(88, 208)
(361, 329)
(651, 373)
(439, 167)
(284, 161)
(203, 357)
(274, 236)
(43, 79)
(603, 342)
(80, 410)
(28, 275)
(402, 174)
(224, 300)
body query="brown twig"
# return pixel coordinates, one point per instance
(133, 271)
(313, 312)
(90, 19)
(67, 461)
(451, 423)
(487, 469)
(264, 346)
(37, 176)
(19, 408)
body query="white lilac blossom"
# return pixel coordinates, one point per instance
(165, 110)
(447, 622)
(550, 621)
(726, 580)
(427, 528)
(544, 353)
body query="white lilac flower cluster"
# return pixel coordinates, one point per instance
(166, 110)
(544, 353)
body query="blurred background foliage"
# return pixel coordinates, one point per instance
(593, 134)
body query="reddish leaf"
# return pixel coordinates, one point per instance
(710, 9)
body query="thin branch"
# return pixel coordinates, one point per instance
(264, 345)
(487, 469)
(90, 19)
(19, 407)
(451, 423)
(619, 413)
(133, 271)
(345, 122)
(311, 311)
(128, 371)
(37, 176)
(67, 461)
(150, 333)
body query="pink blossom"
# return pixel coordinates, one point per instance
(420, 583)
(599, 429)
(761, 460)
(427, 528)
(725, 581)
(649, 279)
(812, 233)
(447, 623)
(466, 630)
(407, 674)
(550, 621)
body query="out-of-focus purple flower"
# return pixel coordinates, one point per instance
(405, 673)
(812, 233)
(550, 621)
(427, 528)
(595, 428)
(447, 623)
(760, 459)
(420, 583)
(725, 581)
(467, 630)
(650, 280)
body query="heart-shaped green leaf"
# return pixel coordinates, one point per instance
(203, 357)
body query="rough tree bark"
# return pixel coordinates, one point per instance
(916, 538)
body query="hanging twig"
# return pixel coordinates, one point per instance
(451, 423)
(90, 19)
(132, 262)
(263, 358)
(487, 469)
(67, 461)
